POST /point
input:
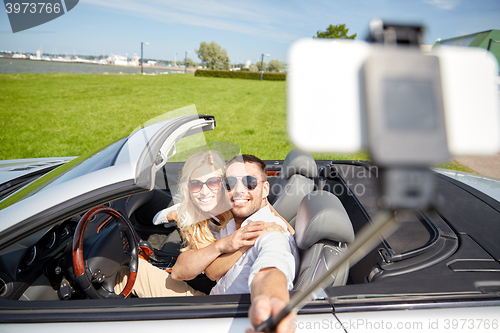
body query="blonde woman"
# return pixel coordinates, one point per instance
(204, 206)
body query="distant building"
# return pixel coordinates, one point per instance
(37, 57)
(479, 39)
(135, 60)
(117, 60)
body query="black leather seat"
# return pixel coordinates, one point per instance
(294, 182)
(322, 230)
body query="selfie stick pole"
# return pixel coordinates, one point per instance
(367, 239)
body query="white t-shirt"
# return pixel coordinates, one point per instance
(273, 249)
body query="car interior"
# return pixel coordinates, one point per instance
(327, 202)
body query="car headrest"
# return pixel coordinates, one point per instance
(299, 162)
(321, 215)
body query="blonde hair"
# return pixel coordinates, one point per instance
(193, 222)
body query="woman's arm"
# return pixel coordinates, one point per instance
(224, 262)
(192, 262)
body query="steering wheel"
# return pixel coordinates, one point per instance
(103, 259)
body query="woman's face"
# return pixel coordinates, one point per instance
(207, 199)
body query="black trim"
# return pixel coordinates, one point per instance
(137, 309)
(470, 212)
(351, 194)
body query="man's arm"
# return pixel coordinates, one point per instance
(269, 295)
(270, 278)
(270, 282)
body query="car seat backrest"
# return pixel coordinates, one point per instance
(322, 230)
(295, 181)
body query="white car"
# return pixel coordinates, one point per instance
(439, 271)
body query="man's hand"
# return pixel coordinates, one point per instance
(263, 307)
(269, 296)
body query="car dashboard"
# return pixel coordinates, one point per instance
(35, 268)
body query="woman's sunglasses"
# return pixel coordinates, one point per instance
(213, 184)
(250, 182)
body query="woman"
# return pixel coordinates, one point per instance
(204, 204)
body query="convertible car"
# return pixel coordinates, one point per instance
(67, 226)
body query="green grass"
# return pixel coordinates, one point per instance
(48, 115)
(454, 165)
(67, 114)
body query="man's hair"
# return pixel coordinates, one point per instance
(247, 158)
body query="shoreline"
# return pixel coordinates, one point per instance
(189, 69)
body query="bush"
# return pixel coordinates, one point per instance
(241, 75)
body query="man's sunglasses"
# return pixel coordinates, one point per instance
(213, 184)
(250, 182)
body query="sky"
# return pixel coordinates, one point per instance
(246, 29)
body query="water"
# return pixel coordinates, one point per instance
(8, 65)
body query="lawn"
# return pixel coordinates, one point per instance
(46, 115)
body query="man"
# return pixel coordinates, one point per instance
(247, 185)
(267, 269)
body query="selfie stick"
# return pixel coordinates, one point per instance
(368, 238)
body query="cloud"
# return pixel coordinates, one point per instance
(249, 19)
(443, 4)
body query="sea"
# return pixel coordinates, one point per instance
(12, 66)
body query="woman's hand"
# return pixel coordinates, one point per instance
(246, 236)
(243, 237)
(272, 226)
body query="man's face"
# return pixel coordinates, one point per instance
(245, 202)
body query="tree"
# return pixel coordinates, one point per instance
(190, 62)
(213, 55)
(335, 31)
(274, 66)
(259, 65)
(254, 68)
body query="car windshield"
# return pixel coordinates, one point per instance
(73, 169)
(100, 160)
